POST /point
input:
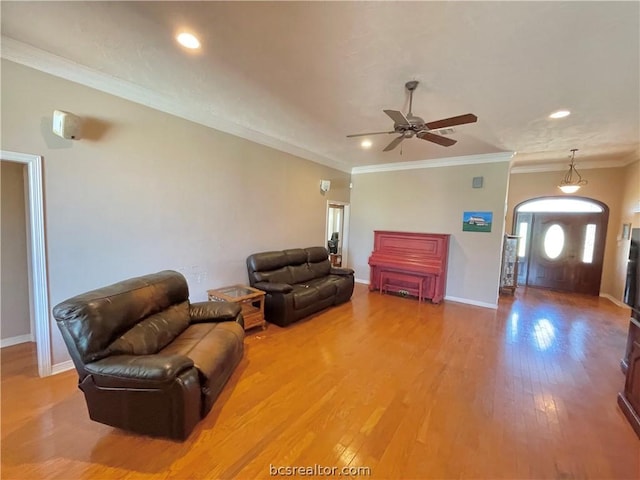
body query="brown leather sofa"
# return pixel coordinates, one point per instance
(298, 282)
(148, 360)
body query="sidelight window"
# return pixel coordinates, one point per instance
(589, 243)
(523, 228)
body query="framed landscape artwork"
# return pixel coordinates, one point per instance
(477, 221)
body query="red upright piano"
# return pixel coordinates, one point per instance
(410, 263)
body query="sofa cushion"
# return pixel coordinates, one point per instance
(344, 284)
(281, 275)
(320, 269)
(295, 256)
(318, 261)
(153, 333)
(216, 349)
(267, 261)
(269, 267)
(301, 273)
(316, 254)
(303, 296)
(326, 288)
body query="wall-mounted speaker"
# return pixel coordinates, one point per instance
(67, 125)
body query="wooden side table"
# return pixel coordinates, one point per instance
(247, 297)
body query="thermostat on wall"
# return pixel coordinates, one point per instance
(66, 125)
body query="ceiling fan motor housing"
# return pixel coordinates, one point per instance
(414, 120)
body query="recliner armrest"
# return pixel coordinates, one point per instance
(214, 311)
(153, 368)
(270, 287)
(341, 271)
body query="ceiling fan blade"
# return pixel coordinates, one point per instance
(397, 117)
(432, 137)
(450, 122)
(365, 134)
(394, 143)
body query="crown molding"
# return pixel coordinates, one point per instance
(439, 162)
(560, 167)
(57, 66)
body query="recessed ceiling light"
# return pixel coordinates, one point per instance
(188, 40)
(560, 114)
(366, 143)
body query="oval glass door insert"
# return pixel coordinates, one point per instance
(554, 241)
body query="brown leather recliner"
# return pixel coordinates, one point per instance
(148, 360)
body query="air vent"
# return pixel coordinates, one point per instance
(445, 131)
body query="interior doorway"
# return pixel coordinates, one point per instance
(16, 317)
(38, 296)
(562, 243)
(337, 232)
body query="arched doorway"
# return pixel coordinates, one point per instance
(561, 243)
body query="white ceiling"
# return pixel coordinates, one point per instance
(301, 76)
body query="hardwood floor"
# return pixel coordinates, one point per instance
(407, 390)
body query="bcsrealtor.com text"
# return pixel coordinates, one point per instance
(317, 471)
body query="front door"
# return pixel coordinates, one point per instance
(567, 251)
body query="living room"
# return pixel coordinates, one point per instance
(146, 190)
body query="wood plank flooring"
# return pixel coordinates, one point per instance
(405, 390)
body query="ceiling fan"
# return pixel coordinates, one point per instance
(412, 125)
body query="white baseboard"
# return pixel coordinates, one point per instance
(62, 367)
(360, 280)
(493, 306)
(614, 300)
(7, 342)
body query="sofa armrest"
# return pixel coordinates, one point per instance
(153, 368)
(270, 287)
(214, 311)
(341, 271)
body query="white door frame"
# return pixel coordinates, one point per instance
(345, 227)
(39, 298)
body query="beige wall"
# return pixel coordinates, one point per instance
(433, 200)
(630, 213)
(606, 185)
(14, 276)
(147, 191)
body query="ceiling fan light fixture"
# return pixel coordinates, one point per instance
(366, 143)
(572, 180)
(188, 40)
(560, 114)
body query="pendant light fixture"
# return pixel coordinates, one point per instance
(572, 180)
